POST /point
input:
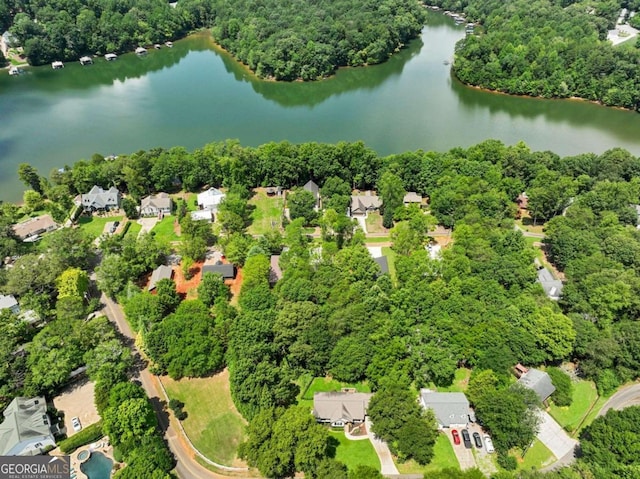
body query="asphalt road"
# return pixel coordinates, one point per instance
(186, 465)
(625, 397)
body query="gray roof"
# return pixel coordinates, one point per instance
(161, 201)
(25, 422)
(412, 197)
(383, 263)
(210, 199)
(8, 301)
(228, 271)
(539, 382)
(449, 408)
(363, 203)
(552, 287)
(336, 406)
(98, 198)
(312, 187)
(160, 273)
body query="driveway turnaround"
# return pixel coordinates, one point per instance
(383, 452)
(554, 437)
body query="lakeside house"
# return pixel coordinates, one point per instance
(9, 302)
(552, 287)
(156, 205)
(57, 65)
(210, 199)
(26, 429)
(141, 51)
(98, 199)
(412, 198)
(314, 189)
(34, 227)
(362, 205)
(110, 57)
(340, 408)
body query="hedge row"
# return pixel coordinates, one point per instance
(86, 436)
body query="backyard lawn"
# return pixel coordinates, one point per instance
(584, 397)
(163, 230)
(374, 223)
(460, 382)
(267, 214)
(213, 424)
(353, 453)
(325, 384)
(443, 458)
(93, 226)
(190, 198)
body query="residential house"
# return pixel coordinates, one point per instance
(362, 205)
(340, 408)
(9, 302)
(34, 227)
(539, 382)
(314, 189)
(275, 273)
(412, 198)
(160, 273)
(552, 287)
(26, 430)
(101, 200)
(383, 263)
(156, 205)
(228, 271)
(450, 409)
(210, 199)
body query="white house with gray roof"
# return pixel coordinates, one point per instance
(154, 205)
(99, 199)
(210, 199)
(539, 382)
(552, 287)
(26, 430)
(340, 408)
(450, 409)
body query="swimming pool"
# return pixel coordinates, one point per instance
(97, 467)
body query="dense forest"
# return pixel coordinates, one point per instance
(334, 312)
(549, 48)
(281, 40)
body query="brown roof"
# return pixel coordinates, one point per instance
(334, 406)
(34, 226)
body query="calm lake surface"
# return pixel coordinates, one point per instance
(191, 94)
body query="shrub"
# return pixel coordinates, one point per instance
(508, 462)
(86, 436)
(563, 395)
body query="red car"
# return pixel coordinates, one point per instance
(456, 437)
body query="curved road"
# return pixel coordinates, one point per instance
(186, 465)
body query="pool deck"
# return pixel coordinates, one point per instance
(102, 446)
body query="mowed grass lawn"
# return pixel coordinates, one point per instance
(134, 229)
(324, 385)
(354, 453)
(443, 458)
(391, 261)
(584, 397)
(213, 424)
(267, 214)
(163, 230)
(93, 226)
(460, 382)
(374, 223)
(537, 456)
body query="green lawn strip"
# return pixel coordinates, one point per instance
(134, 229)
(377, 239)
(391, 260)
(584, 397)
(267, 214)
(443, 458)
(537, 456)
(592, 414)
(163, 230)
(526, 224)
(354, 453)
(93, 226)
(213, 424)
(460, 382)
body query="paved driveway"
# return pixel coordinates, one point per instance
(147, 224)
(554, 437)
(465, 456)
(383, 452)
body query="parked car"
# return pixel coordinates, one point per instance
(456, 437)
(466, 439)
(75, 423)
(477, 440)
(489, 444)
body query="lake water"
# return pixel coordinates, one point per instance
(191, 94)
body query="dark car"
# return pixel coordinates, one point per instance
(455, 436)
(477, 440)
(466, 439)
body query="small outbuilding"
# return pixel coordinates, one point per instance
(86, 60)
(110, 57)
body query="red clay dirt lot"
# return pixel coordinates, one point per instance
(185, 287)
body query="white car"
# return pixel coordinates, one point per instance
(75, 423)
(488, 443)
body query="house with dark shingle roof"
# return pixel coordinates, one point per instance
(160, 273)
(450, 409)
(340, 408)
(361, 205)
(26, 429)
(314, 189)
(539, 382)
(226, 270)
(383, 263)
